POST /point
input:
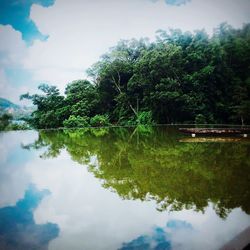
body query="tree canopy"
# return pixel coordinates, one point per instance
(181, 77)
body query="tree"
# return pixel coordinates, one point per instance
(82, 98)
(182, 77)
(5, 120)
(50, 107)
(111, 76)
(76, 122)
(99, 121)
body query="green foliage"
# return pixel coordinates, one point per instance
(82, 98)
(145, 118)
(5, 120)
(99, 121)
(76, 122)
(99, 132)
(16, 126)
(7, 123)
(178, 78)
(200, 119)
(49, 105)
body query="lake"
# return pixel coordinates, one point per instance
(121, 188)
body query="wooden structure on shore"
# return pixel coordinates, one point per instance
(214, 139)
(216, 131)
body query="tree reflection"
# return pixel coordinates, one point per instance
(151, 164)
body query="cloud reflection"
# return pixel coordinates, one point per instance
(18, 230)
(160, 237)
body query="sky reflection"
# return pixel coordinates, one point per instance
(18, 229)
(160, 237)
(88, 215)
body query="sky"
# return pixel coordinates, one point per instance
(55, 41)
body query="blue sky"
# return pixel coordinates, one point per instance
(177, 2)
(17, 14)
(55, 41)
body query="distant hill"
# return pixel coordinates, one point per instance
(15, 110)
(6, 104)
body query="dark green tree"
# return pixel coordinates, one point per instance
(179, 78)
(82, 98)
(51, 110)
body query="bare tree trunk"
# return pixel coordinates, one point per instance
(117, 84)
(242, 120)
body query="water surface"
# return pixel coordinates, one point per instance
(121, 188)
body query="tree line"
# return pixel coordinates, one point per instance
(7, 123)
(181, 77)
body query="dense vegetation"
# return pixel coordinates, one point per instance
(148, 163)
(181, 77)
(7, 123)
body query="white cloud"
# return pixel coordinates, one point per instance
(91, 217)
(13, 178)
(81, 31)
(7, 90)
(12, 47)
(12, 52)
(3, 81)
(57, 76)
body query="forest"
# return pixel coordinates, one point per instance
(180, 77)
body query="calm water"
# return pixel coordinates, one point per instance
(121, 189)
